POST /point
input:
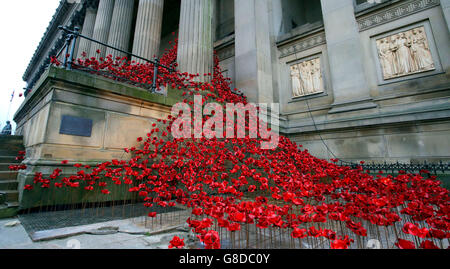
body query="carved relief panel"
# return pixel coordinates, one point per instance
(307, 78)
(405, 53)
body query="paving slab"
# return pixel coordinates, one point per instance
(10, 236)
(128, 234)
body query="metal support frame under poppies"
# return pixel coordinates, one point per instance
(69, 48)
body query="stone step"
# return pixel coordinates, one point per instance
(11, 196)
(9, 159)
(9, 185)
(8, 152)
(11, 139)
(8, 210)
(12, 147)
(12, 204)
(8, 175)
(11, 142)
(5, 166)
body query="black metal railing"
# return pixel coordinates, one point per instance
(394, 168)
(72, 37)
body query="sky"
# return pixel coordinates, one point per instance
(24, 23)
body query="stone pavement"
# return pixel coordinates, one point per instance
(124, 237)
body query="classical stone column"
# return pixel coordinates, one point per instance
(101, 28)
(445, 4)
(147, 36)
(254, 76)
(121, 24)
(350, 87)
(195, 47)
(88, 29)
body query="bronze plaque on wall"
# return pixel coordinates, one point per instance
(76, 126)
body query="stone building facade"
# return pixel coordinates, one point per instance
(355, 80)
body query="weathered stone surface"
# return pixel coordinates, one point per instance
(253, 50)
(101, 28)
(345, 54)
(120, 29)
(404, 143)
(109, 105)
(132, 229)
(12, 223)
(104, 230)
(195, 45)
(147, 35)
(84, 45)
(446, 9)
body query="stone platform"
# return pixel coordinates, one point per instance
(82, 118)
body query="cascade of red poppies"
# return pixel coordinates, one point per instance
(242, 193)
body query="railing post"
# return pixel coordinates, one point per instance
(68, 39)
(155, 74)
(73, 38)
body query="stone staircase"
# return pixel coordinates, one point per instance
(9, 195)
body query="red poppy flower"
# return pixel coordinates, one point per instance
(412, 229)
(143, 194)
(427, 244)
(197, 211)
(176, 243)
(28, 187)
(211, 240)
(342, 243)
(234, 227)
(237, 217)
(299, 233)
(405, 244)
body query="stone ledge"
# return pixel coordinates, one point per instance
(91, 83)
(423, 114)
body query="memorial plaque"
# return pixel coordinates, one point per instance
(76, 126)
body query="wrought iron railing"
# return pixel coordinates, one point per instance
(394, 168)
(69, 49)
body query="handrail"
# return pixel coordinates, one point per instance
(71, 40)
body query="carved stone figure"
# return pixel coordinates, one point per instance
(393, 47)
(386, 57)
(305, 74)
(296, 85)
(421, 50)
(307, 78)
(316, 75)
(405, 53)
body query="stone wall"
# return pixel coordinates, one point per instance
(359, 114)
(406, 143)
(408, 118)
(119, 113)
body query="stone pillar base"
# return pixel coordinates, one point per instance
(82, 118)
